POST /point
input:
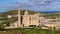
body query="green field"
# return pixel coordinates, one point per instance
(31, 31)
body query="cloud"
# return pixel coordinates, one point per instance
(38, 5)
(36, 2)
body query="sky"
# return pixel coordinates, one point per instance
(35, 5)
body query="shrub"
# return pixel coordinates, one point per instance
(32, 25)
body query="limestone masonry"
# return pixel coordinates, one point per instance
(28, 19)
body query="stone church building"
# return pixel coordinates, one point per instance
(28, 19)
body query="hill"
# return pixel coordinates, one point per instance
(53, 15)
(14, 12)
(47, 14)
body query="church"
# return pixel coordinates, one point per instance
(28, 19)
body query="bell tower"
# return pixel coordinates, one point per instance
(19, 18)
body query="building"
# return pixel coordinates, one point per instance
(28, 19)
(9, 16)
